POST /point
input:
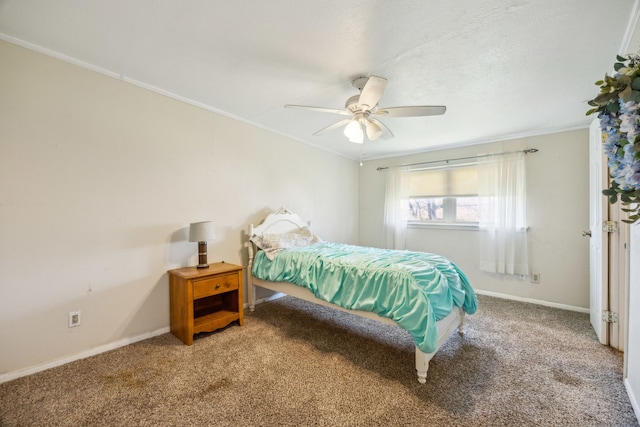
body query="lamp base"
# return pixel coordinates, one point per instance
(202, 255)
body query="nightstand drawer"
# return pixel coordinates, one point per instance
(216, 285)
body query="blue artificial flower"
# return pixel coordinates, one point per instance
(629, 154)
(613, 164)
(619, 175)
(629, 107)
(610, 147)
(621, 131)
(613, 134)
(634, 180)
(608, 120)
(626, 175)
(629, 126)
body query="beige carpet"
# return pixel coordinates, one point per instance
(297, 364)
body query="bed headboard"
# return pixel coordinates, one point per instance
(278, 222)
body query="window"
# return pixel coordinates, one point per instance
(443, 195)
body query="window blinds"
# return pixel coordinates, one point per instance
(442, 182)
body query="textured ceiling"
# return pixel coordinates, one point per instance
(503, 68)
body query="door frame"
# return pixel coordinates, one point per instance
(598, 239)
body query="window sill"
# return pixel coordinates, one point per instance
(442, 226)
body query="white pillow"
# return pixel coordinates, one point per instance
(271, 244)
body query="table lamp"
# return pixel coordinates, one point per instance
(201, 232)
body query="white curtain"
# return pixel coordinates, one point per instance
(395, 224)
(502, 214)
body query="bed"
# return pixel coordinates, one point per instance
(425, 294)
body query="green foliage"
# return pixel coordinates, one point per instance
(627, 198)
(617, 108)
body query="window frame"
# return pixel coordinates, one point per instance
(449, 206)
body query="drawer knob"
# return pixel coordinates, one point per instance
(218, 286)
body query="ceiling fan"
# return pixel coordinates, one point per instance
(363, 110)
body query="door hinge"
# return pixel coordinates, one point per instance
(610, 226)
(609, 316)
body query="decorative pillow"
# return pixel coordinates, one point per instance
(271, 244)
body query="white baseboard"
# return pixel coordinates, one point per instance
(82, 355)
(533, 301)
(266, 299)
(632, 397)
(97, 350)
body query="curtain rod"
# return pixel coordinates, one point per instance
(527, 151)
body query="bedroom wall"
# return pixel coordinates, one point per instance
(557, 212)
(99, 180)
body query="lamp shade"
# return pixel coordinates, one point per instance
(201, 231)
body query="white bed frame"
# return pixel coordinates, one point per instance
(283, 221)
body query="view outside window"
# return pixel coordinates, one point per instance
(425, 209)
(443, 195)
(467, 209)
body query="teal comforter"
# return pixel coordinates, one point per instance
(415, 289)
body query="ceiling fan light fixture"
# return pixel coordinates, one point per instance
(373, 130)
(354, 132)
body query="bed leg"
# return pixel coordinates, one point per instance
(461, 325)
(422, 365)
(252, 297)
(250, 287)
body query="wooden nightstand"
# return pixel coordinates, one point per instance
(204, 299)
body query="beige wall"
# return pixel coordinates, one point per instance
(99, 180)
(557, 212)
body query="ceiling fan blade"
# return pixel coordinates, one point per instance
(372, 92)
(415, 111)
(333, 126)
(386, 132)
(321, 109)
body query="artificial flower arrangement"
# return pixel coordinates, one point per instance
(617, 106)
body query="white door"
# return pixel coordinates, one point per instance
(598, 247)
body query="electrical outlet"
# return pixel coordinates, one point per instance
(74, 319)
(522, 277)
(535, 277)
